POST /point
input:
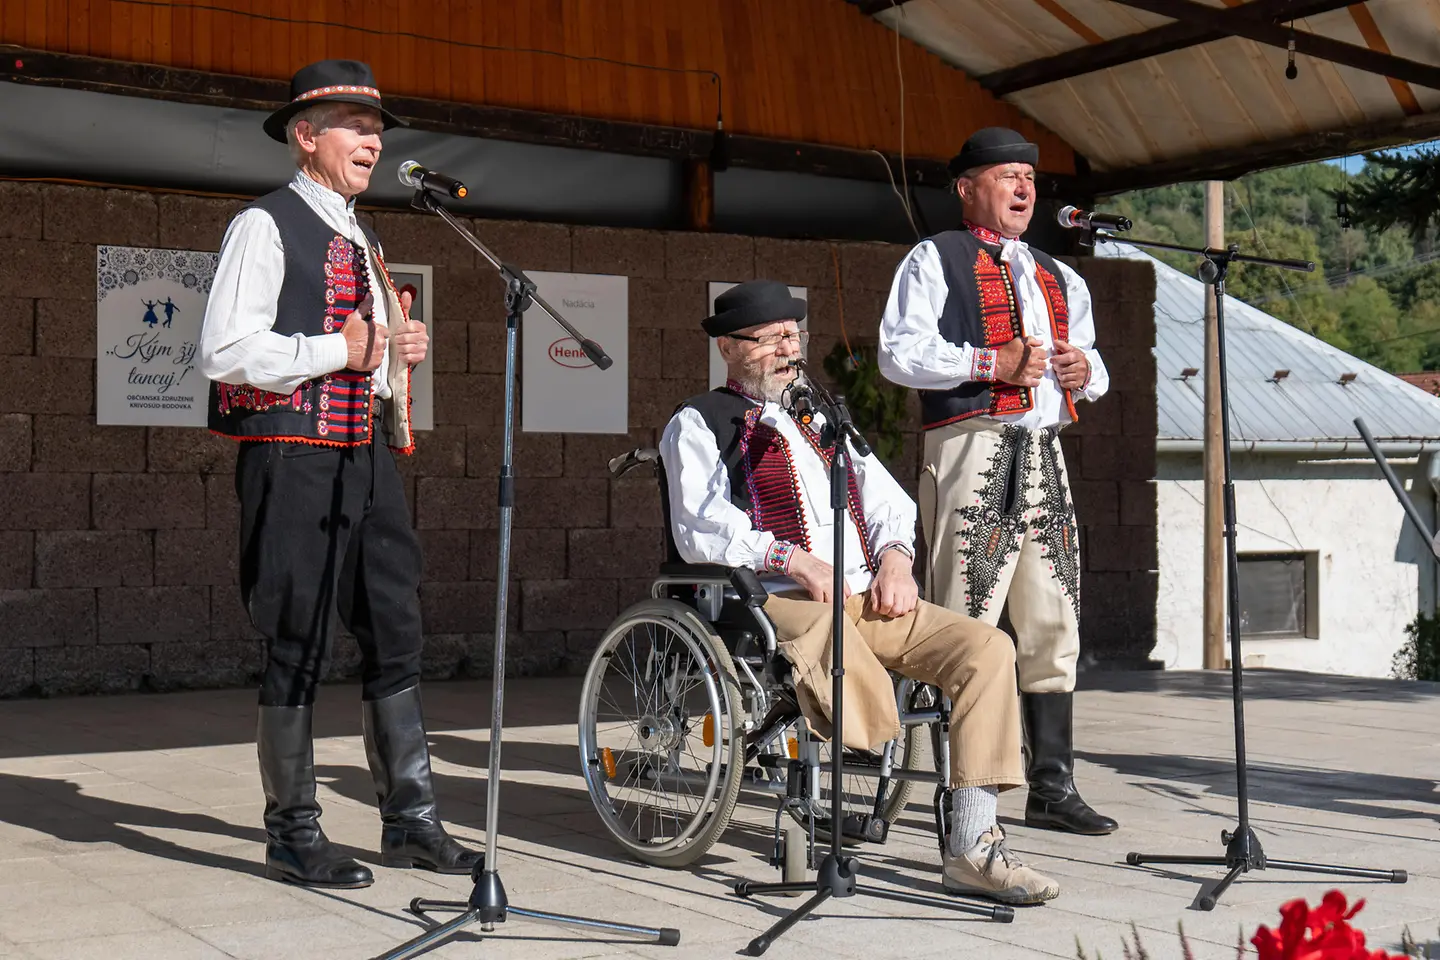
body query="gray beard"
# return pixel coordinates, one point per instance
(768, 387)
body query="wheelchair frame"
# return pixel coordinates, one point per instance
(728, 647)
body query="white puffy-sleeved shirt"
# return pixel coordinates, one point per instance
(914, 354)
(237, 342)
(708, 528)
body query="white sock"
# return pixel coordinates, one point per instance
(972, 813)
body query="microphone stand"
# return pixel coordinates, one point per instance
(1243, 851)
(487, 903)
(836, 874)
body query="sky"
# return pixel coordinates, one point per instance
(1353, 164)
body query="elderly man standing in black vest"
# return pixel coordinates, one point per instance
(309, 350)
(998, 337)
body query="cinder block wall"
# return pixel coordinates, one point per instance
(118, 544)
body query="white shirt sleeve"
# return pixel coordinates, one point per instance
(912, 352)
(1082, 331)
(707, 527)
(237, 344)
(889, 511)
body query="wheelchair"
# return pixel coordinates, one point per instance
(687, 704)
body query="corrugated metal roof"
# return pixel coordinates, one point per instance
(1308, 405)
(1214, 96)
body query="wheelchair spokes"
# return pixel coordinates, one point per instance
(658, 737)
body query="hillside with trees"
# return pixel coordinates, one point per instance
(1375, 292)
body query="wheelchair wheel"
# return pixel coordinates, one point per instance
(913, 751)
(661, 745)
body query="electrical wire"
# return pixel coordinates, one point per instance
(271, 18)
(900, 72)
(1255, 232)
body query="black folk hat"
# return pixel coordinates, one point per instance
(338, 81)
(753, 304)
(993, 145)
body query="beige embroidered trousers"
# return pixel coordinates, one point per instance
(1000, 523)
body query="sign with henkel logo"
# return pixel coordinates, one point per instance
(563, 390)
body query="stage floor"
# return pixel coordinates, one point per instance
(130, 828)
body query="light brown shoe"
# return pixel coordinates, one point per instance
(989, 869)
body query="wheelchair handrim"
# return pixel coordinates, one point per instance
(595, 777)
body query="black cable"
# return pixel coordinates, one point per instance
(714, 75)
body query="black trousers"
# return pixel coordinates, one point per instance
(325, 529)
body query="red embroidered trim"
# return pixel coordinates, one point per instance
(1000, 320)
(983, 367)
(775, 504)
(1059, 321)
(342, 88)
(852, 498)
(986, 235)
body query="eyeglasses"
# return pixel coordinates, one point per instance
(774, 339)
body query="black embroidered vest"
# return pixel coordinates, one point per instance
(325, 280)
(983, 310)
(761, 468)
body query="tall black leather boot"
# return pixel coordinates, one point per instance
(296, 850)
(1054, 803)
(411, 834)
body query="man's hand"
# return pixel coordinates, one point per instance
(1072, 367)
(411, 341)
(815, 575)
(1021, 361)
(894, 592)
(364, 340)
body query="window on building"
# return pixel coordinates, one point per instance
(1278, 595)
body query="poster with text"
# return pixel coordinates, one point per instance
(717, 364)
(149, 305)
(419, 280)
(564, 392)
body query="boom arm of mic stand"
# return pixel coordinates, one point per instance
(1405, 502)
(840, 418)
(423, 200)
(1232, 255)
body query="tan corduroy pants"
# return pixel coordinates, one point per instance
(996, 508)
(974, 664)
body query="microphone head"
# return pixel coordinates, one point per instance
(408, 173)
(1065, 215)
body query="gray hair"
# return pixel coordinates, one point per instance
(321, 116)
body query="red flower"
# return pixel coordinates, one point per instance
(1320, 934)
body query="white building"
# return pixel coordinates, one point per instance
(1330, 570)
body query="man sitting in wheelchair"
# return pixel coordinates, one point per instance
(749, 487)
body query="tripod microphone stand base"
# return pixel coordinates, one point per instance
(1243, 853)
(488, 906)
(836, 878)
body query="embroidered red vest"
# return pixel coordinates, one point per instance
(983, 310)
(325, 280)
(761, 466)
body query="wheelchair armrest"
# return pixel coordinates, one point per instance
(752, 592)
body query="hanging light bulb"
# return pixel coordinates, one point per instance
(1290, 71)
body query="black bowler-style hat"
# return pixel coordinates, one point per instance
(753, 304)
(340, 81)
(991, 146)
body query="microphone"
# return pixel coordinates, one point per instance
(799, 397)
(412, 174)
(1075, 217)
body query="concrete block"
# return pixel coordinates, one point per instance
(623, 253)
(65, 328)
(93, 558)
(17, 327)
(48, 385)
(16, 442)
(47, 618)
(148, 501)
(568, 604)
(142, 615)
(194, 223)
(709, 256)
(189, 450)
(45, 501)
(17, 559)
(21, 210)
(121, 218)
